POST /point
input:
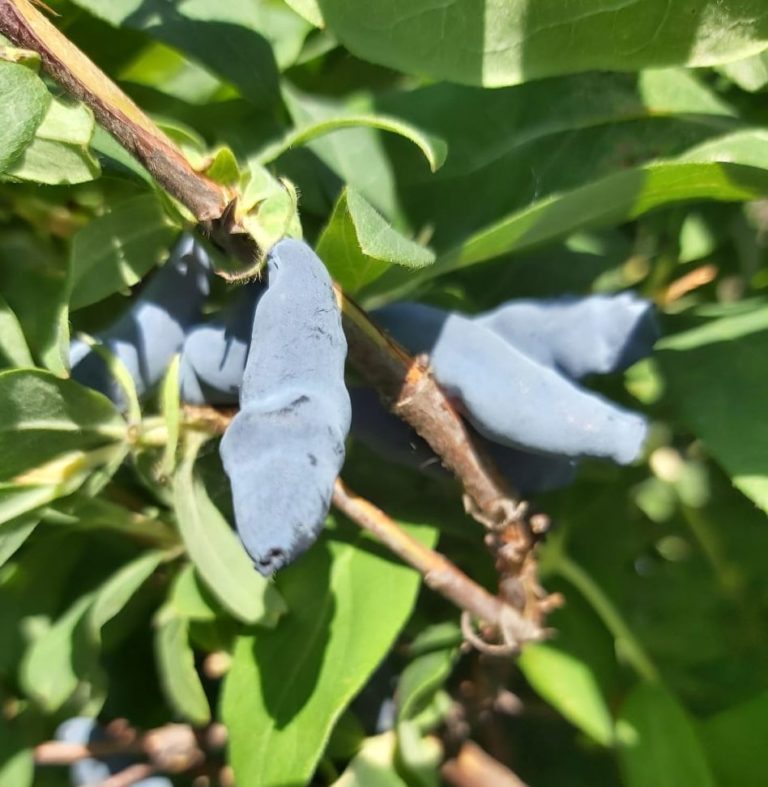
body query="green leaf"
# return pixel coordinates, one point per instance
(735, 743)
(17, 761)
(347, 604)
(563, 149)
(119, 371)
(67, 653)
(171, 406)
(59, 153)
(309, 9)
(731, 169)
(419, 756)
(427, 672)
(223, 167)
(218, 554)
(356, 155)
(47, 670)
(25, 599)
(118, 590)
(729, 419)
(176, 665)
(734, 168)
(13, 345)
(165, 69)
(751, 73)
(270, 208)
(37, 292)
(55, 436)
(373, 765)
(190, 599)
(24, 103)
(658, 746)
(358, 245)
(228, 38)
(116, 250)
(569, 685)
(433, 148)
(19, 499)
(496, 44)
(97, 512)
(44, 418)
(13, 534)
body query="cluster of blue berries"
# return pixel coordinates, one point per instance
(278, 350)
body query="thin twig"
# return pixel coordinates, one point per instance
(438, 571)
(473, 767)
(172, 747)
(63, 753)
(441, 574)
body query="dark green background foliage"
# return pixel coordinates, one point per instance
(465, 154)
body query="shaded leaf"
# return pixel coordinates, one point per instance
(218, 554)
(13, 534)
(347, 603)
(117, 249)
(44, 418)
(658, 746)
(735, 743)
(733, 168)
(427, 672)
(190, 599)
(356, 155)
(728, 418)
(47, 670)
(37, 292)
(13, 345)
(373, 765)
(229, 38)
(59, 152)
(24, 103)
(67, 654)
(569, 685)
(17, 762)
(433, 148)
(178, 676)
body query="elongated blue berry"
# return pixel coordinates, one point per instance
(147, 336)
(214, 353)
(509, 397)
(283, 450)
(597, 334)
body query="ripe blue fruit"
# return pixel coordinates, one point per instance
(151, 331)
(596, 334)
(284, 449)
(213, 356)
(509, 397)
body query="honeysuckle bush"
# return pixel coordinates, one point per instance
(462, 155)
